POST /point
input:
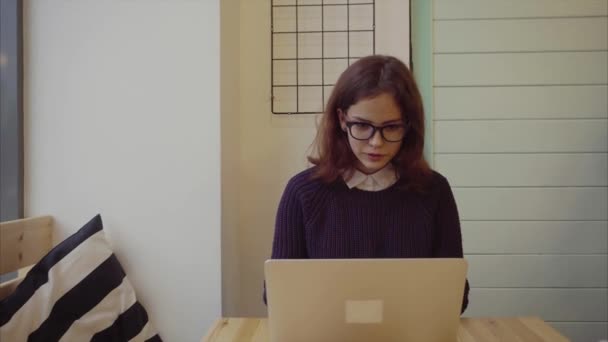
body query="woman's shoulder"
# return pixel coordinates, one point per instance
(439, 180)
(440, 185)
(304, 181)
(305, 175)
(435, 185)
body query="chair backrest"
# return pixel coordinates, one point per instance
(22, 243)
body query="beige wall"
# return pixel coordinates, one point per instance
(272, 148)
(230, 143)
(260, 150)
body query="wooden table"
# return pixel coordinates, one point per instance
(512, 329)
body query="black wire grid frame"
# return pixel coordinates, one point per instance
(297, 58)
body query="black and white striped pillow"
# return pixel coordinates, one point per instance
(77, 292)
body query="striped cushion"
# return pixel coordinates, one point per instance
(77, 292)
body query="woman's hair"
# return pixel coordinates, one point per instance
(367, 78)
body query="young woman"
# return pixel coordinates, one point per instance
(370, 193)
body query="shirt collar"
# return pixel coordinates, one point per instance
(380, 180)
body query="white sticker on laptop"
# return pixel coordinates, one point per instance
(364, 311)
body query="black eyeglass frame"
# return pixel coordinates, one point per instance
(350, 124)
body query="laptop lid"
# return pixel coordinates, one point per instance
(364, 299)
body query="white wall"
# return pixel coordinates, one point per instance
(271, 148)
(122, 118)
(521, 132)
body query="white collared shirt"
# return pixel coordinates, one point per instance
(380, 180)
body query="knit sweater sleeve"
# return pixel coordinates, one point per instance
(289, 242)
(448, 241)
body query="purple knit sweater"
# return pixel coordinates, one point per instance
(324, 221)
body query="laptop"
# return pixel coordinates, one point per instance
(334, 300)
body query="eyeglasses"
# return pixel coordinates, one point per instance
(365, 131)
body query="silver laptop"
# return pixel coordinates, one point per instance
(334, 300)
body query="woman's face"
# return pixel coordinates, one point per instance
(373, 153)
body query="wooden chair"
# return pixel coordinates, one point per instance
(22, 243)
